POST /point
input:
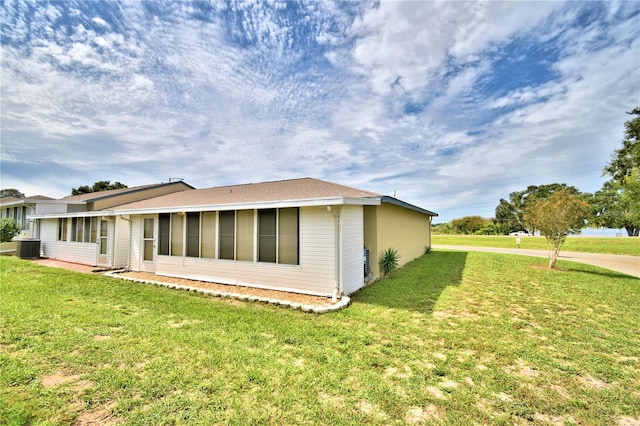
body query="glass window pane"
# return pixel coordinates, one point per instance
(148, 249)
(227, 227)
(177, 234)
(79, 230)
(164, 227)
(74, 227)
(288, 236)
(62, 229)
(87, 229)
(94, 229)
(267, 235)
(244, 239)
(148, 228)
(193, 234)
(208, 237)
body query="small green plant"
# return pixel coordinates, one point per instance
(389, 261)
(8, 229)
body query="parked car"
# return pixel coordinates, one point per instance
(521, 234)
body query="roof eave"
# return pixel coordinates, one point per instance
(330, 201)
(400, 203)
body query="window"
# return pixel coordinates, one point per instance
(80, 230)
(94, 230)
(288, 236)
(177, 234)
(74, 227)
(244, 237)
(267, 235)
(208, 235)
(227, 234)
(193, 234)
(62, 229)
(164, 229)
(87, 229)
(278, 236)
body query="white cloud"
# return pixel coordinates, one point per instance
(385, 97)
(98, 20)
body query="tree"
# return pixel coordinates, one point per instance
(467, 224)
(625, 159)
(11, 192)
(8, 229)
(101, 185)
(560, 214)
(510, 214)
(617, 204)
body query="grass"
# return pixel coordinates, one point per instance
(451, 338)
(624, 246)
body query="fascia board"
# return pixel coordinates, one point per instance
(316, 202)
(77, 214)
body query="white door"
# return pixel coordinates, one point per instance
(103, 243)
(148, 244)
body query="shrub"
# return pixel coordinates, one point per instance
(389, 261)
(8, 229)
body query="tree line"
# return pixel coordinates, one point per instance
(615, 205)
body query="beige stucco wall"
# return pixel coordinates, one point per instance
(390, 226)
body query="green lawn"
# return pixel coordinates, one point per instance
(452, 338)
(628, 246)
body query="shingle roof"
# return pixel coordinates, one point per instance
(93, 196)
(283, 190)
(16, 200)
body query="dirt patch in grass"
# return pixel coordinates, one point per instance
(371, 409)
(101, 338)
(593, 383)
(95, 417)
(628, 421)
(426, 415)
(521, 369)
(58, 378)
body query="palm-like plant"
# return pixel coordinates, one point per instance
(389, 261)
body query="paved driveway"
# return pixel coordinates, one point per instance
(629, 265)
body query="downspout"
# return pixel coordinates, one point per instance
(337, 291)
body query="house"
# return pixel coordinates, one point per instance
(19, 208)
(82, 229)
(301, 235)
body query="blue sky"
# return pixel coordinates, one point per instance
(449, 105)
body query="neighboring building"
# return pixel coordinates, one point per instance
(19, 208)
(302, 235)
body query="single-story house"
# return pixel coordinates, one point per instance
(301, 235)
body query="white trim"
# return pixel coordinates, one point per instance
(96, 213)
(313, 202)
